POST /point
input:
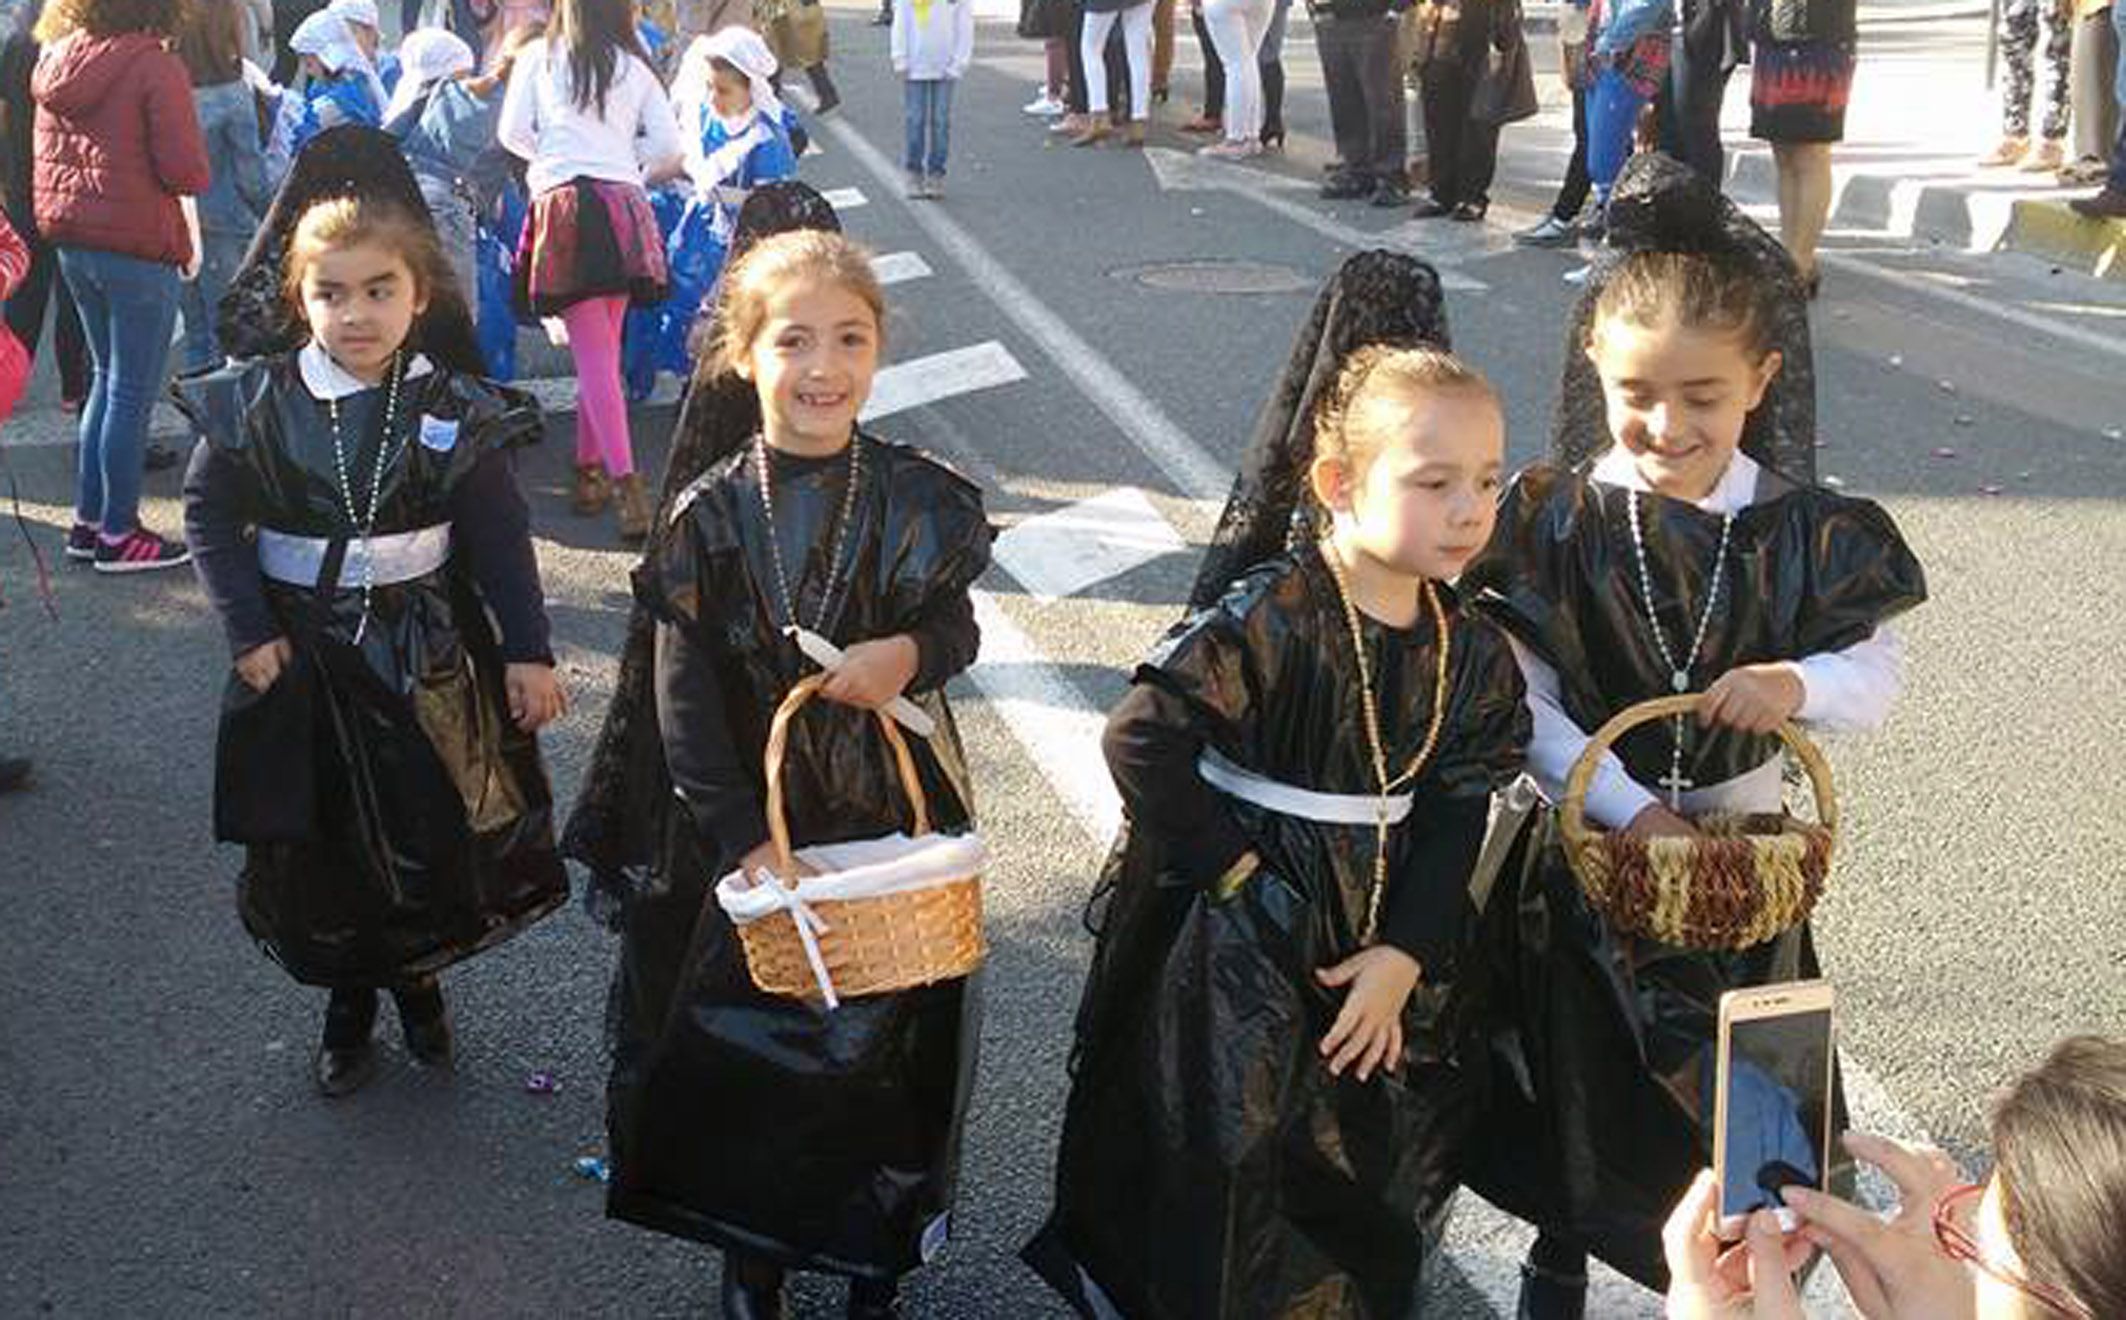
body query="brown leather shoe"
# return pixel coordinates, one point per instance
(633, 502)
(593, 490)
(1097, 129)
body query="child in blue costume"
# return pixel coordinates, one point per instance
(367, 30)
(737, 140)
(340, 88)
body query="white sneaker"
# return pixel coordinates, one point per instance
(916, 187)
(1044, 105)
(1578, 275)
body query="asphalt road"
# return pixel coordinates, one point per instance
(162, 1152)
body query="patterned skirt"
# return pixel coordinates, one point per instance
(1798, 91)
(589, 238)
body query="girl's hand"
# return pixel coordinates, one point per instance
(260, 667)
(1368, 1033)
(762, 858)
(1713, 1280)
(536, 697)
(1891, 1269)
(872, 673)
(1753, 698)
(1656, 821)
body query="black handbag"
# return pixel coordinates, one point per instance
(1505, 90)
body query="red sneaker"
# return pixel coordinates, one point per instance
(139, 551)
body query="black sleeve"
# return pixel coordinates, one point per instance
(710, 778)
(1425, 909)
(946, 640)
(1151, 745)
(224, 556)
(492, 527)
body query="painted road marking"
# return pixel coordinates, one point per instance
(900, 267)
(1064, 551)
(936, 376)
(848, 199)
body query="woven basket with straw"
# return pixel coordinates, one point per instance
(1744, 880)
(871, 946)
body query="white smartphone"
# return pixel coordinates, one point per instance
(1772, 1117)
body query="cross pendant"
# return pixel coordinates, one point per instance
(1675, 783)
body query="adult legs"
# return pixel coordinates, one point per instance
(2018, 41)
(601, 409)
(2094, 116)
(1162, 46)
(1572, 194)
(1697, 88)
(44, 286)
(136, 303)
(1804, 199)
(1447, 89)
(1137, 48)
(1058, 52)
(915, 113)
(1092, 48)
(938, 115)
(1213, 70)
(1269, 58)
(1380, 79)
(1237, 29)
(2058, 53)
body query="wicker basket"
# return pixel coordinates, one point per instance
(812, 944)
(1748, 879)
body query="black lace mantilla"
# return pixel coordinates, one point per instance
(1661, 205)
(1376, 297)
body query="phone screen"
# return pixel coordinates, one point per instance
(1778, 1084)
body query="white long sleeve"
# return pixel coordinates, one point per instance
(1614, 797)
(962, 38)
(1852, 691)
(903, 21)
(541, 123)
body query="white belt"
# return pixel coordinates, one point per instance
(1305, 803)
(380, 560)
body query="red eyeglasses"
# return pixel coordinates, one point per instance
(1951, 1214)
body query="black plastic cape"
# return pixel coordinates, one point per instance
(607, 830)
(1210, 1164)
(1603, 1113)
(396, 820)
(821, 1139)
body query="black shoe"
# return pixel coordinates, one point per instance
(425, 1021)
(14, 773)
(823, 88)
(752, 1288)
(2109, 204)
(1470, 213)
(346, 1057)
(872, 1299)
(1431, 208)
(1390, 192)
(1272, 137)
(1549, 1295)
(1345, 186)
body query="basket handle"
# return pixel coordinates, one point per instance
(1572, 812)
(778, 741)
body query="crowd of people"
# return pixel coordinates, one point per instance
(1331, 984)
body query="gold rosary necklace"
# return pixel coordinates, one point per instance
(1374, 744)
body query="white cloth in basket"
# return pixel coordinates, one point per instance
(861, 868)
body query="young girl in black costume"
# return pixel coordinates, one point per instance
(787, 1133)
(1669, 559)
(354, 532)
(1268, 1104)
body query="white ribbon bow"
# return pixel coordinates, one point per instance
(809, 929)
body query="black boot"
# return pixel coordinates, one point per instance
(752, 1288)
(823, 87)
(874, 1299)
(1553, 1281)
(424, 1020)
(1273, 104)
(346, 1057)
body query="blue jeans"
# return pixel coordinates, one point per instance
(1612, 115)
(929, 103)
(199, 301)
(128, 309)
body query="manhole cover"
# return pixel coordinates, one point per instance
(1218, 277)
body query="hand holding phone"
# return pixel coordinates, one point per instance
(1772, 1118)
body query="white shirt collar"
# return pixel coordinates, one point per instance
(1735, 491)
(327, 380)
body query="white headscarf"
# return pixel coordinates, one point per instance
(325, 34)
(426, 58)
(357, 11)
(743, 49)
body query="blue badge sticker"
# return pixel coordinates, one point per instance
(439, 434)
(934, 1234)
